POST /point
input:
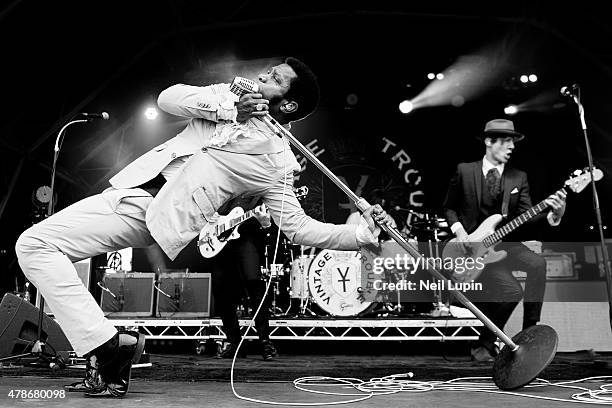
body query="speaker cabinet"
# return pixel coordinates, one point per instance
(19, 328)
(183, 294)
(127, 294)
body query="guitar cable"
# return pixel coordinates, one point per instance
(252, 320)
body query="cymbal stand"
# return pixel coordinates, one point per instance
(440, 308)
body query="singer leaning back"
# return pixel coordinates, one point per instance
(168, 194)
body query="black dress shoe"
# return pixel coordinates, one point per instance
(268, 350)
(230, 350)
(92, 378)
(115, 361)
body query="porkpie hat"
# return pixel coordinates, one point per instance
(501, 128)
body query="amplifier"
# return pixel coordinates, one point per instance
(127, 294)
(183, 294)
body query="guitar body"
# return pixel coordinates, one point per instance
(474, 248)
(209, 242)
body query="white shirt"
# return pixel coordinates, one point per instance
(487, 165)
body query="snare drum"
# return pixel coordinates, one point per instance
(299, 277)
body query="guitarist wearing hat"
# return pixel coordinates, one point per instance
(490, 186)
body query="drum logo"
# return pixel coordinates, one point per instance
(335, 282)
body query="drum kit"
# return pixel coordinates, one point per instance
(327, 283)
(307, 282)
(430, 230)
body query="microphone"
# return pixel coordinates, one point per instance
(91, 116)
(241, 86)
(570, 90)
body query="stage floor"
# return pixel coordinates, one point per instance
(145, 393)
(177, 380)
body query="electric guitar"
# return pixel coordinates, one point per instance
(214, 236)
(481, 243)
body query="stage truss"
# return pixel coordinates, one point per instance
(436, 329)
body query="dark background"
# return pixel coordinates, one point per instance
(59, 59)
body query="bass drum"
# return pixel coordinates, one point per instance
(334, 281)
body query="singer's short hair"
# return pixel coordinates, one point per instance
(304, 90)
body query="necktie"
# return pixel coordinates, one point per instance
(493, 182)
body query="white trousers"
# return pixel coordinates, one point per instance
(106, 222)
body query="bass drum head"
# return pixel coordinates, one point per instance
(334, 281)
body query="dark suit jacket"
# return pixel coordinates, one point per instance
(464, 194)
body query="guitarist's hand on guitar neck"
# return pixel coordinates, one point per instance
(556, 202)
(262, 215)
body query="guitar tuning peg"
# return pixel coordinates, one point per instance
(578, 172)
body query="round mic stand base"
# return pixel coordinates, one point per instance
(513, 369)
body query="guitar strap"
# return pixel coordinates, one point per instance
(505, 183)
(504, 208)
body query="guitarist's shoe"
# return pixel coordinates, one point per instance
(268, 350)
(230, 350)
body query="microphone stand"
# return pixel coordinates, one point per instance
(604, 249)
(53, 361)
(524, 357)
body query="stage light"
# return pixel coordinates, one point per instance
(524, 79)
(352, 99)
(406, 107)
(511, 110)
(533, 78)
(151, 113)
(440, 76)
(431, 75)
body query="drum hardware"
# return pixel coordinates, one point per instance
(433, 228)
(275, 273)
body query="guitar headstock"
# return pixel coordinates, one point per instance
(581, 178)
(300, 192)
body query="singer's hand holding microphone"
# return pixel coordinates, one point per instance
(251, 105)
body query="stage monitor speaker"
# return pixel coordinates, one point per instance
(19, 328)
(127, 294)
(84, 272)
(183, 294)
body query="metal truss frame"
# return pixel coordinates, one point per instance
(437, 329)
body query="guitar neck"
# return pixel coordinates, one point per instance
(234, 222)
(499, 234)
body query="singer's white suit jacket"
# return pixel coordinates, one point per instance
(254, 162)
